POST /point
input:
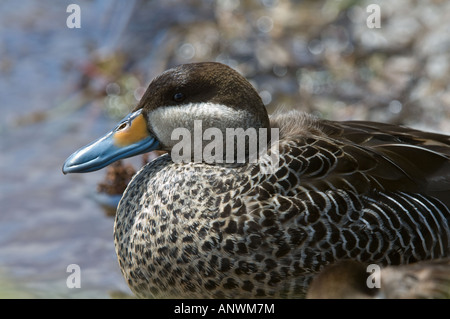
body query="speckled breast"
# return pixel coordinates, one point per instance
(209, 231)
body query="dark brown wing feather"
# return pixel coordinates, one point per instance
(406, 159)
(373, 155)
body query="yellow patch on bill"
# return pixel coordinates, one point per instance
(136, 132)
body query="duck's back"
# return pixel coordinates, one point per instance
(352, 190)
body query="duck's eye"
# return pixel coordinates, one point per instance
(122, 126)
(178, 97)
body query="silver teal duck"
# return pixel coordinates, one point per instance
(354, 190)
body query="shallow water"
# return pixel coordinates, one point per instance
(47, 220)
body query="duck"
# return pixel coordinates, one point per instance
(350, 279)
(202, 222)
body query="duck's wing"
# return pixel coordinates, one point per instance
(353, 190)
(396, 158)
(365, 155)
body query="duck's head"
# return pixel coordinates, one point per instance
(211, 92)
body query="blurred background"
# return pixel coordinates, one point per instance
(61, 88)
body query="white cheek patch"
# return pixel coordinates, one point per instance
(164, 120)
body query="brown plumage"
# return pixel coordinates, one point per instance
(394, 158)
